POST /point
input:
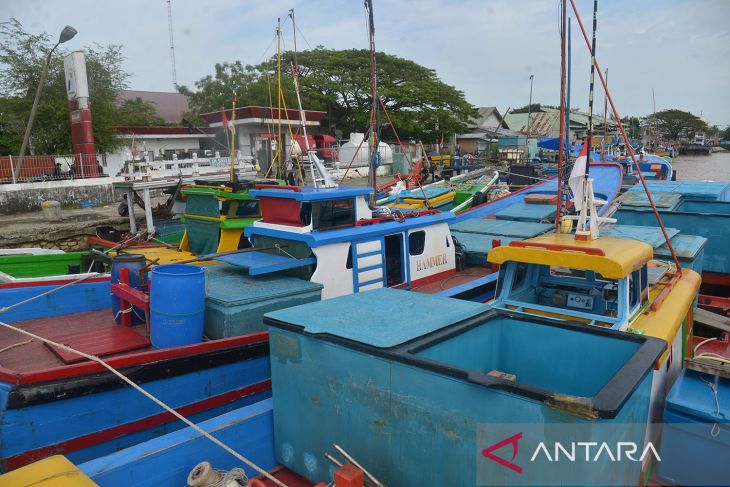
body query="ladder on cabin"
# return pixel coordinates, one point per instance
(368, 267)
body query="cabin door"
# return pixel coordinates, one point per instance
(394, 269)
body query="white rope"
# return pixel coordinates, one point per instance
(151, 398)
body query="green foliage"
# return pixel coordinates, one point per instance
(215, 92)
(338, 81)
(535, 107)
(673, 123)
(139, 113)
(22, 56)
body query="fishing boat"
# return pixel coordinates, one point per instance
(586, 296)
(457, 194)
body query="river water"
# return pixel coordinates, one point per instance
(715, 167)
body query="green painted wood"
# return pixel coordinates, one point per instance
(20, 266)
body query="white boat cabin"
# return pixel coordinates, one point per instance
(331, 236)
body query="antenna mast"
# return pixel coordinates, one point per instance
(172, 44)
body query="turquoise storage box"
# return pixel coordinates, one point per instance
(416, 388)
(236, 302)
(695, 446)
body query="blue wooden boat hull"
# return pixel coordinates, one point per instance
(167, 460)
(82, 411)
(606, 185)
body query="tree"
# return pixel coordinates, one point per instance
(420, 105)
(673, 123)
(138, 112)
(21, 60)
(725, 134)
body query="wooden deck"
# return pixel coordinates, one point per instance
(34, 355)
(467, 275)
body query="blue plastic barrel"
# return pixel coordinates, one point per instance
(134, 263)
(177, 305)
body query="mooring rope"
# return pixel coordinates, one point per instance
(149, 396)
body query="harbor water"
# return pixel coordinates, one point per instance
(715, 167)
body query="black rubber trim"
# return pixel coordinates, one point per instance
(25, 395)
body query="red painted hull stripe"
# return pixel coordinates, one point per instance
(128, 360)
(149, 422)
(433, 278)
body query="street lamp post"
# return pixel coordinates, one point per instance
(67, 34)
(529, 113)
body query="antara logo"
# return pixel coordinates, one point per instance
(579, 451)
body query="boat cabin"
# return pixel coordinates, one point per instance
(602, 282)
(331, 236)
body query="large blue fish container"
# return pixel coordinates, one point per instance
(432, 391)
(177, 305)
(696, 438)
(134, 263)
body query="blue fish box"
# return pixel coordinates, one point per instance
(425, 390)
(695, 446)
(236, 302)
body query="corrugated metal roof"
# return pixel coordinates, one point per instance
(169, 106)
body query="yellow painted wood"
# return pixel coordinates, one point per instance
(185, 242)
(55, 471)
(666, 321)
(621, 256)
(229, 239)
(167, 255)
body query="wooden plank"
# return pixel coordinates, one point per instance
(713, 320)
(105, 341)
(707, 366)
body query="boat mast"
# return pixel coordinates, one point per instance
(233, 139)
(278, 158)
(587, 210)
(320, 175)
(565, 196)
(629, 148)
(605, 124)
(374, 155)
(561, 136)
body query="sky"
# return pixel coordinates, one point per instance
(486, 48)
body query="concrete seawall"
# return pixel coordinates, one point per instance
(25, 197)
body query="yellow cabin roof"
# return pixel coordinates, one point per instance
(613, 258)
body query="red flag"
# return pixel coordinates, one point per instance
(224, 119)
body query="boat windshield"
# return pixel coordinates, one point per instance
(577, 292)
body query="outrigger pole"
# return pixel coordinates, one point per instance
(628, 145)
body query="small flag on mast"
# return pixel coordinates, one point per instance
(224, 119)
(577, 176)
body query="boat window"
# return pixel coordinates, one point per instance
(333, 213)
(416, 242)
(566, 288)
(348, 265)
(634, 289)
(248, 208)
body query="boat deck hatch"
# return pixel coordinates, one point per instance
(257, 263)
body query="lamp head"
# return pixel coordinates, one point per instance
(67, 34)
